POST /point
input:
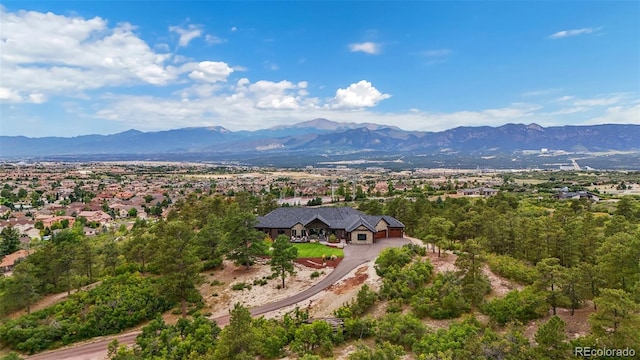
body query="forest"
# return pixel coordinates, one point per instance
(572, 254)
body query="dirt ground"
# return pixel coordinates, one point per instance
(576, 325)
(220, 298)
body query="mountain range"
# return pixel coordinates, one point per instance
(322, 136)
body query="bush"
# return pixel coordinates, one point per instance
(260, 282)
(511, 268)
(364, 300)
(404, 330)
(240, 286)
(116, 304)
(359, 328)
(416, 249)
(212, 264)
(521, 306)
(403, 283)
(442, 300)
(216, 283)
(394, 306)
(315, 274)
(385, 351)
(393, 258)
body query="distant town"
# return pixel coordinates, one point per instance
(41, 199)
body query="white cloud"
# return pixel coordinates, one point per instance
(234, 29)
(214, 40)
(45, 54)
(627, 114)
(572, 32)
(542, 92)
(10, 95)
(598, 101)
(366, 47)
(53, 54)
(186, 35)
(211, 71)
(359, 95)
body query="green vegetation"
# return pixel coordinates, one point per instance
(570, 255)
(116, 304)
(283, 257)
(512, 269)
(315, 250)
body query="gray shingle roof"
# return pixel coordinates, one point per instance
(335, 217)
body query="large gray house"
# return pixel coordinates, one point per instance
(319, 223)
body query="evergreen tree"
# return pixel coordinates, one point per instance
(241, 242)
(9, 240)
(550, 275)
(283, 257)
(176, 261)
(551, 340)
(475, 284)
(617, 322)
(237, 340)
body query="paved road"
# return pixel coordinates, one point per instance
(354, 256)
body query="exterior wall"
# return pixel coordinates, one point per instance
(381, 225)
(361, 230)
(298, 228)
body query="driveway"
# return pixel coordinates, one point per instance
(354, 256)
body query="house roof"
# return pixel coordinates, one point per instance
(335, 217)
(11, 259)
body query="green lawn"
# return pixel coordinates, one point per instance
(315, 250)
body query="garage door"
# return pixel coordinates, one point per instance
(395, 232)
(381, 234)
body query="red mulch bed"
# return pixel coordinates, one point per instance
(316, 263)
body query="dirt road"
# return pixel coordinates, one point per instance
(354, 256)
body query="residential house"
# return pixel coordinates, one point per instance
(319, 223)
(481, 191)
(9, 261)
(570, 195)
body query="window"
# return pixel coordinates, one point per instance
(294, 232)
(362, 237)
(280, 231)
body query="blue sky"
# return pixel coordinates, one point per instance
(70, 68)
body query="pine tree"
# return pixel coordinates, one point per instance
(551, 339)
(283, 257)
(475, 284)
(176, 261)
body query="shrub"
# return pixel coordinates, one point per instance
(315, 274)
(403, 283)
(216, 283)
(260, 282)
(394, 306)
(442, 300)
(517, 305)
(212, 264)
(116, 304)
(240, 286)
(404, 330)
(511, 268)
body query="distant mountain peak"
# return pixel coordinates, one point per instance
(219, 129)
(324, 124)
(534, 126)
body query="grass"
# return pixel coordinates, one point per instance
(315, 250)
